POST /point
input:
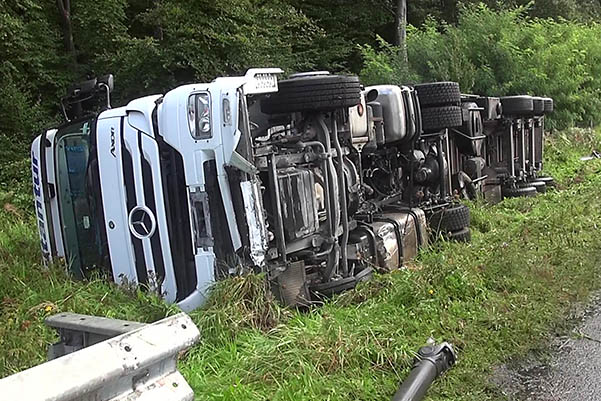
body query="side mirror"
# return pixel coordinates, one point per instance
(82, 88)
(83, 96)
(107, 80)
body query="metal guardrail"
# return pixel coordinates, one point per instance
(138, 364)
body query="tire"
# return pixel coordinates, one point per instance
(313, 93)
(453, 218)
(517, 105)
(438, 94)
(438, 118)
(464, 235)
(540, 186)
(549, 181)
(539, 106)
(549, 106)
(509, 192)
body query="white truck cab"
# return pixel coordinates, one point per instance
(127, 188)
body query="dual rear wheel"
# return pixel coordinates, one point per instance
(440, 106)
(529, 188)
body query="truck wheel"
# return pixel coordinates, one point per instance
(548, 105)
(517, 105)
(509, 192)
(438, 94)
(464, 235)
(540, 186)
(313, 93)
(438, 118)
(453, 218)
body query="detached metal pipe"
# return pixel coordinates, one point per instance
(431, 362)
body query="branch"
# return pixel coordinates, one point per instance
(387, 7)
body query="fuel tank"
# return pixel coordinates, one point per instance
(393, 238)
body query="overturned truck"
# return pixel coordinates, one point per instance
(315, 180)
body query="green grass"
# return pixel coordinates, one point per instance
(498, 298)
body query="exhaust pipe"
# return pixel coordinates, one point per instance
(431, 362)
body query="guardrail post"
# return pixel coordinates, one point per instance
(80, 331)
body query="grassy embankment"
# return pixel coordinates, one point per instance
(498, 297)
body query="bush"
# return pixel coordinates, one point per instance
(503, 53)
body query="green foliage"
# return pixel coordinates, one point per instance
(31, 68)
(450, 10)
(154, 45)
(384, 65)
(502, 53)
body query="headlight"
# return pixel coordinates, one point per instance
(199, 116)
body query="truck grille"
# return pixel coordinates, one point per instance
(130, 191)
(178, 219)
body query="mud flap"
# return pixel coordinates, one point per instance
(290, 285)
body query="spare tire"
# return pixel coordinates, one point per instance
(313, 93)
(517, 105)
(539, 106)
(438, 94)
(453, 218)
(438, 118)
(548, 105)
(510, 192)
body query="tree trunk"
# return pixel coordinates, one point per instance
(64, 9)
(158, 28)
(400, 23)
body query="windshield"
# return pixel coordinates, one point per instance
(76, 202)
